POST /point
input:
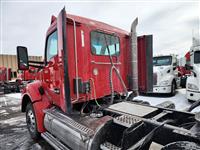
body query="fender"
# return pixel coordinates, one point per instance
(32, 89)
(39, 107)
(30, 94)
(39, 102)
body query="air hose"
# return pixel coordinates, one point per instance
(118, 75)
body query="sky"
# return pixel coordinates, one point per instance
(172, 23)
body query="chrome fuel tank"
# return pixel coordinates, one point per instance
(77, 133)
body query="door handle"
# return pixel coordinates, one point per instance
(56, 90)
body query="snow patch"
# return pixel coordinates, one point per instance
(13, 121)
(179, 100)
(14, 95)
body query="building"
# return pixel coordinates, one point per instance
(10, 61)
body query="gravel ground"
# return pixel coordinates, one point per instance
(14, 134)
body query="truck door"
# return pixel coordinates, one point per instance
(56, 65)
(51, 70)
(101, 61)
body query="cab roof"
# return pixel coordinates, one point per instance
(90, 22)
(98, 24)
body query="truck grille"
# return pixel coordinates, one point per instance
(155, 79)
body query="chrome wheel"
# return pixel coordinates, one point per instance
(31, 120)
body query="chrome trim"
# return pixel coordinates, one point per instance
(104, 63)
(76, 59)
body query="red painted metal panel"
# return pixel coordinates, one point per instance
(187, 56)
(145, 67)
(142, 63)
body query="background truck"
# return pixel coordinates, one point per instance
(183, 72)
(10, 84)
(80, 99)
(27, 75)
(166, 78)
(193, 81)
(7, 85)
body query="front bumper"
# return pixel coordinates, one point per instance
(162, 89)
(193, 95)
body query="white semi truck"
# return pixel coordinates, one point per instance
(166, 78)
(193, 81)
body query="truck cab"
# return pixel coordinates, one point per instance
(193, 81)
(79, 99)
(166, 77)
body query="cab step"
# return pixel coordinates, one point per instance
(127, 120)
(109, 146)
(53, 141)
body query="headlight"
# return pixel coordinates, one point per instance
(192, 87)
(164, 83)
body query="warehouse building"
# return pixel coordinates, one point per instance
(10, 61)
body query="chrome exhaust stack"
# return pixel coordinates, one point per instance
(134, 58)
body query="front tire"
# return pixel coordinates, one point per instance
(31, 122)
(173, 88)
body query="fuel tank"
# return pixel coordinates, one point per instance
(77, 132)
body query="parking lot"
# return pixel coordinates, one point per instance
(13, 131)
(14, 134)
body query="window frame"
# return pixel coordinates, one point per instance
(163, 57)
(46, 43)
(99, 31)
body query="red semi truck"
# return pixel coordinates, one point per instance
(80, 98)
(6, 83)
(183, 72)
(27, 75)
(9, 84)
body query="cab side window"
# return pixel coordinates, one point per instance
(52, 46)
(104, 44)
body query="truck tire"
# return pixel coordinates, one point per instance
(31, 122)
(181, 145)
(173, 88)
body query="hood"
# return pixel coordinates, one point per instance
(161, 70)
(160, 73)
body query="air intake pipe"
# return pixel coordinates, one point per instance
(134, 59)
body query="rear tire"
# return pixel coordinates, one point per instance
(31, 122)
(181, 145)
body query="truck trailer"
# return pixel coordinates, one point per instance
(82, 95)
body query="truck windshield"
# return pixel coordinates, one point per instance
(162, 61)
(100, 41)
(197, 57)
